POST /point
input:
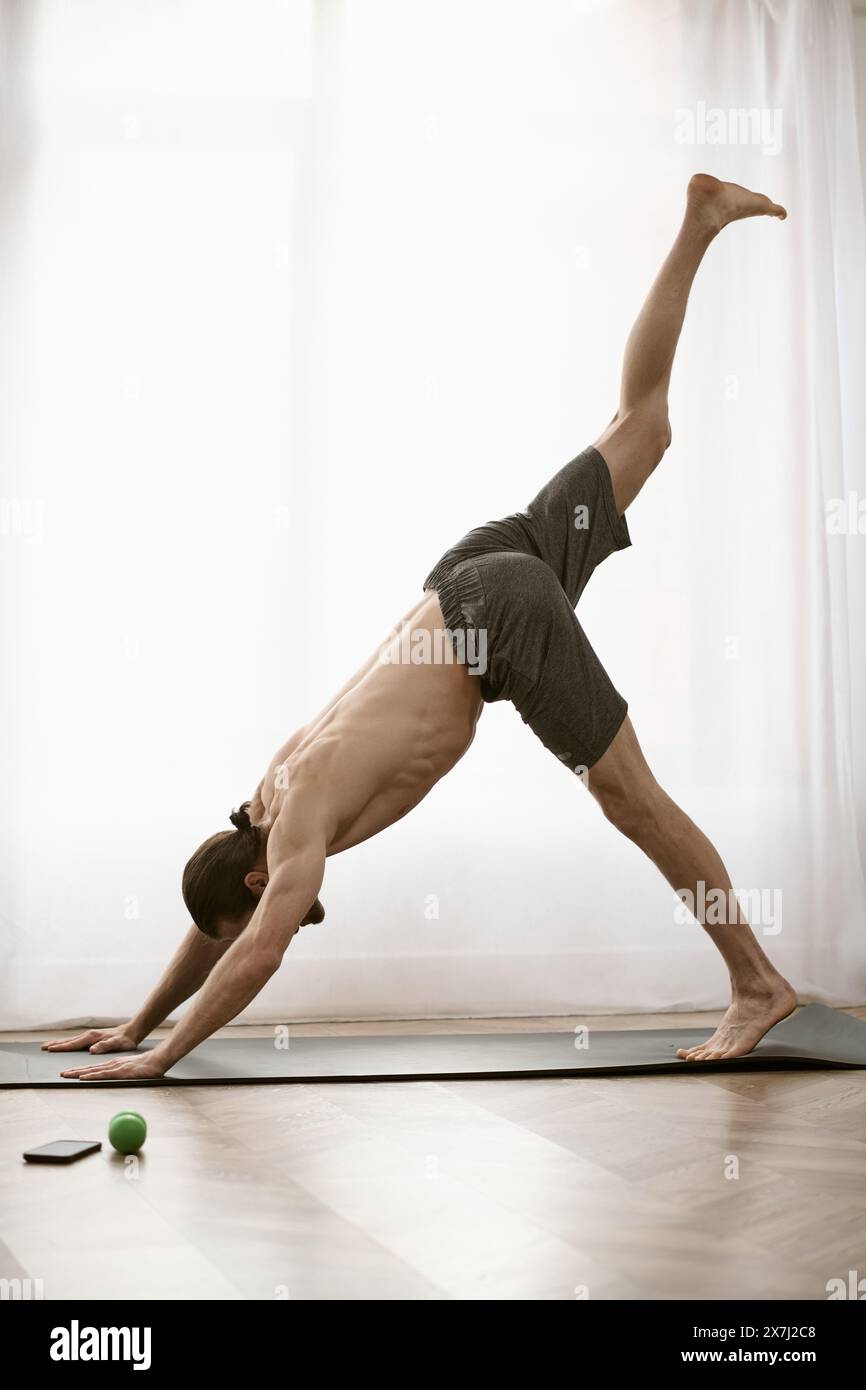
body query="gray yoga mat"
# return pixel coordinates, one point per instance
(812, 1037)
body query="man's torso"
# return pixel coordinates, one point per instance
(376, 751)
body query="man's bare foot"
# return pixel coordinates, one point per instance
(714, 204)
(752, 1013)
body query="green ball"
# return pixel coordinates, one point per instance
(127, 1132)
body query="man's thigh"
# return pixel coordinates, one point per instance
(543, 662)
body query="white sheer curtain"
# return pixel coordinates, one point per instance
(294, 295)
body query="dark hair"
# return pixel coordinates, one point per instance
(213, 880)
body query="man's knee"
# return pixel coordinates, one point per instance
(633, 807)
(651, 426)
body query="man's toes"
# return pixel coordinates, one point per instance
(702, 1052)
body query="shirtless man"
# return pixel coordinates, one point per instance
(501, 604)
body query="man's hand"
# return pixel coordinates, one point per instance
(121, 1039)
(187, 972)
(146, 1064)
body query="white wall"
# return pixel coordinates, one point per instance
(860, 69)
(857, 566)
(289, 305)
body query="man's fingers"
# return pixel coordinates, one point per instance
(101, 1069)
(76, 1044)
(119, 1075)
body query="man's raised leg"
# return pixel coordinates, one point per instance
(635, 440)
(633, 801)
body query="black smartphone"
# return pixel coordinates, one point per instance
(62, 1151)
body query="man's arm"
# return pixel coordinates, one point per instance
(245, 968)
(255, 956)
(186, 972)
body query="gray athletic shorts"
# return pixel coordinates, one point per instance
(507, 593)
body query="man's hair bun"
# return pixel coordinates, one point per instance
(240, 819)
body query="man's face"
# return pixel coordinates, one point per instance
(228, 930)
(315, 914)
